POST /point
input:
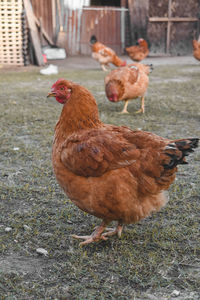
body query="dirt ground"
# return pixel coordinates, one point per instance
(156, 259)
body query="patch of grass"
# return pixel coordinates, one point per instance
(157, 255)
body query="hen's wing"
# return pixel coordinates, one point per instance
(132, 49)
(102, 49)
(196, 45)
(150, 158)
(94, 152)
(142, 67)
(106, 52)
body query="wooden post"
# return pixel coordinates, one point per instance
(44, 33)
(139, 10)
(169, 26)
(53, 4)
(34, 33)
(198, 28)
(122, 29)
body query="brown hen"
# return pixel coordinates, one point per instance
(113, 173)
(104, 55)
(140, 52)
(196, 49)
(130, 82)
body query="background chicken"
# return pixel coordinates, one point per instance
(104, 55)
(130, 82)
(196, 49)
(113, 173)
(138, 53)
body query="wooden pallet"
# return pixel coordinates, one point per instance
(13, 33)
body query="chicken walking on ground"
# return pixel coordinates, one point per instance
(111, 172)
(104, 55)
(140, 52)
(127, 83)
(196, 49)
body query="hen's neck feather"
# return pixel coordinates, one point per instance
(118, 84)
(80, 112)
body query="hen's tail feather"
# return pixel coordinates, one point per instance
(151, 67)
(187, 144)
(118, 62)
(177, 150)
(93, 39)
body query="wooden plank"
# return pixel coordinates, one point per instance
(11, 58)
(11, 63)
(44, 9)
(53, 16)
(34, 33)
(122, 29)
(168, 26)
(10, 47)
(106, 8)
(139, 12)
(177, 19)
(45, 34)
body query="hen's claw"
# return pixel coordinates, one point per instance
(94, 237)
(124, 112)
(98, 234)
(113, 231)
(88, 238)
(139, 111)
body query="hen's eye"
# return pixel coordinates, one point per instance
(62, 88)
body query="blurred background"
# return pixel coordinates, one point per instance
(29, 26)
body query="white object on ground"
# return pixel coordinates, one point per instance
(26, 227)
(8, 229)
(51, 69)
(54, 53)
(175, 293)
(42, 251)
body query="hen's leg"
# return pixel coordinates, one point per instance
(94, 237)
(125, 111)
(141, 110)
(117, 230)
(104, 68)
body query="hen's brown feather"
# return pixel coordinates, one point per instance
(105, 55)
(138, 53)
(127, 83)
(196, 49)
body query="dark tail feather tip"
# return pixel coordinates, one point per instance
(185, 146)
(195, 142)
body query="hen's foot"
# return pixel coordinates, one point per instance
(139, 111)
(94, 237)
(104, 68)
(98, 234)
(113, 231)
(89, 238)
(124, 112)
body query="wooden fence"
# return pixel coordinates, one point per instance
(13, 33)
(172, 25)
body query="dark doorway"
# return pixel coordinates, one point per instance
(116, 3)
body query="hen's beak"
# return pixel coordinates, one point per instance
(52, 94)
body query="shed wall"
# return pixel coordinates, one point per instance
(181, 32)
